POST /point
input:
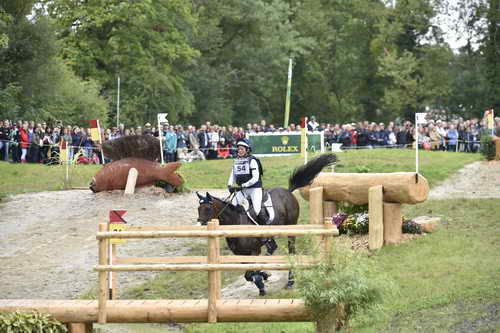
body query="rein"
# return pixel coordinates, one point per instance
(227, 203)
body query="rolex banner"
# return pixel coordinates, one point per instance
(283, 143)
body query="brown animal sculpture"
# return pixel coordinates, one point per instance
(140, 146)
(113, 176)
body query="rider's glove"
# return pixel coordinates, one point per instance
(234, 188)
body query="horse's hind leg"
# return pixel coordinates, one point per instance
(291, 250)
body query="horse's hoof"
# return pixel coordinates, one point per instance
(289, 285)
(262, 292)
(265, 275)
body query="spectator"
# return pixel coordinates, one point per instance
(170, 149)
(223, 149)
(182, 140)
(312, 125)
(24, 141)
(391, 136)
(147, 129)
(452, 137)
(4, 139)
(434, 137)
(68, 139)
(204, 140)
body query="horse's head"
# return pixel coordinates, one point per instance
(207, 209)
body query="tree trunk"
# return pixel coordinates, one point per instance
(399, 187)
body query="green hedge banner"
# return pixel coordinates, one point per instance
(284, 143)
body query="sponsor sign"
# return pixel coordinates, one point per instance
(285, 143)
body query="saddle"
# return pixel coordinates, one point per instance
(267, 208)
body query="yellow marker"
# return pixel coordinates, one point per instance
(117, 227)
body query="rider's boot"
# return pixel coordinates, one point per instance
(271, 245)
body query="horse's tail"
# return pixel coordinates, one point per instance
(304, 175)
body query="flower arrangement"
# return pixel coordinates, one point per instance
(356, 223)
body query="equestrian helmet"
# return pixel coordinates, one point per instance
(245, 143)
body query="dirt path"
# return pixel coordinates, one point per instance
(47, 241)
(475, 180)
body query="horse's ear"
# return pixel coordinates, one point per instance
(209, 197)
(199, 196)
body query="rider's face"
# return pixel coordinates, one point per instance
(242, 151)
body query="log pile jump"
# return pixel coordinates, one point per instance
(80, 315)
(383, 192)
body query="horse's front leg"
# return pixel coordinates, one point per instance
(291, 251)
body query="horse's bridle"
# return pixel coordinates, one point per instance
(227, 202)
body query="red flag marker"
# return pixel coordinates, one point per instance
(116, 216)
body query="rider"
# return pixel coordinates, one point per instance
(247, 174)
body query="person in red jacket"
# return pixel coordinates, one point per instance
(223, 149)
(24, 140)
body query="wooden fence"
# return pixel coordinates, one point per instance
(213, 263)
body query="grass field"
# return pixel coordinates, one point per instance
(447, 281)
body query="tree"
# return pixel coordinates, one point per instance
(34, 82)
(143, 42)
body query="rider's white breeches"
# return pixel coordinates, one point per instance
(254, 194)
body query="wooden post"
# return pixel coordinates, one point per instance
(497, 148)
(131, 181)
(103, 275)
(80, 327)
(327, 239)
(316, 212)
(114, 281)
(213, 276)
(329, 208)
(376, 216)
(393, 223)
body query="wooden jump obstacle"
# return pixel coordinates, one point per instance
(81, 314)
(384, 193)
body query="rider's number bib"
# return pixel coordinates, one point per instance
(242, 168)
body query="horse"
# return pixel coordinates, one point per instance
(286, 212)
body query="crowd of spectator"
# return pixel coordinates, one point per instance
(27, 141)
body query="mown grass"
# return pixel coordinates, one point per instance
(446, 281)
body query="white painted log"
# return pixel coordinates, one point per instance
(131, 181)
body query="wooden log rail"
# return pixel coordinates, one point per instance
(164, 311)
(215, 308)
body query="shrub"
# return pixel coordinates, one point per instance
(487, 148)
(36, 322)
(342, 284)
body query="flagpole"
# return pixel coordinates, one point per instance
(288, 93)
(100, 140)
(416, 145)
(118, 105)
(160, 130)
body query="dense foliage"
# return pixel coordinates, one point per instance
(226, 61)
(345, 279)
(22, 322)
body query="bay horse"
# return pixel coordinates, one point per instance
(286, 212)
